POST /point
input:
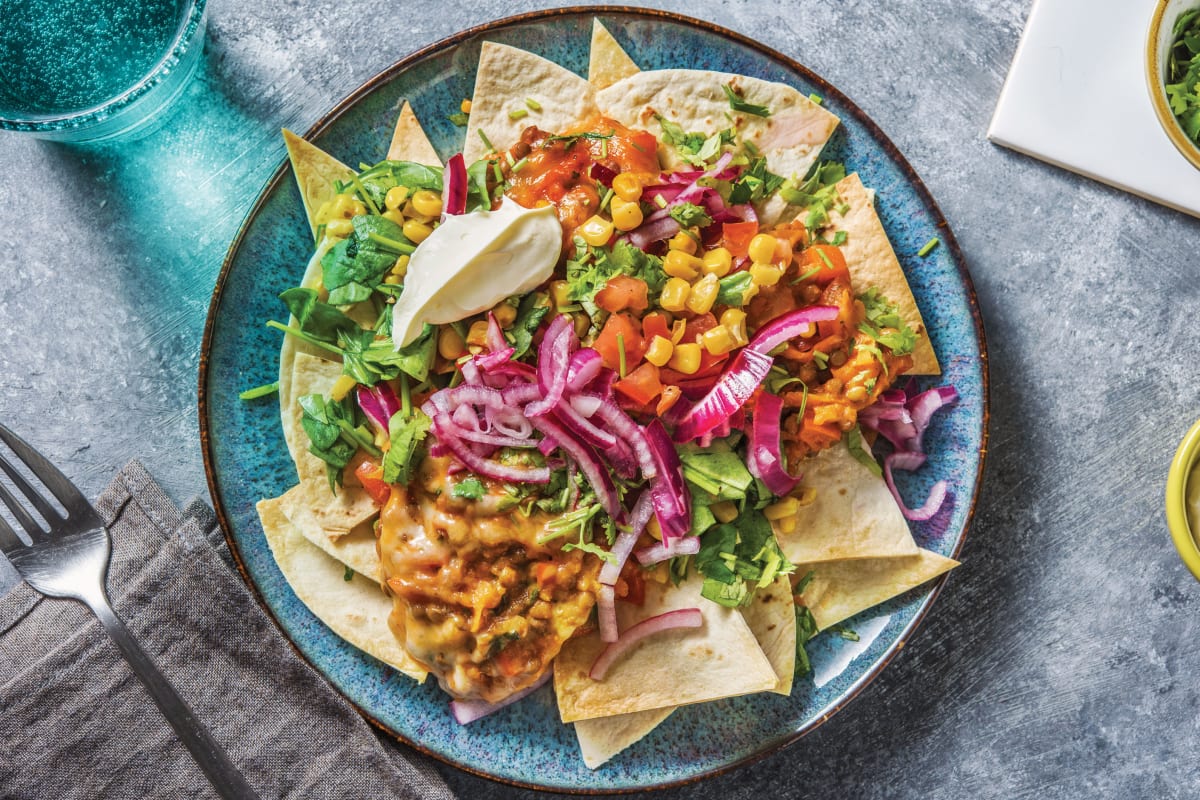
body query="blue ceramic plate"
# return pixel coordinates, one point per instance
(246, 458)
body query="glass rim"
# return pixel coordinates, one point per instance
(109, 108)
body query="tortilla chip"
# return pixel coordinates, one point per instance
(840, 589)
(672, 668)
(315, 172)
(308, 374)
(355, 609)
(873, 263)
(334, 522)
(771, 616)
(608, 61)
(409, 142)
(602, 738)
(791, 138)
(853, 515)
(507, 77)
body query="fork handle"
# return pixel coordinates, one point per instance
(209, 755)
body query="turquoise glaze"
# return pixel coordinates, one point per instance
(525, 743)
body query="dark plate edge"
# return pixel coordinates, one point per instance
(944, 232)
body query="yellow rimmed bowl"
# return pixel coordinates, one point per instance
(1186, 458)
(1158, 46)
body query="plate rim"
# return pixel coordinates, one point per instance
(939, 221)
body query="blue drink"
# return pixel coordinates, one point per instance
(88, 69)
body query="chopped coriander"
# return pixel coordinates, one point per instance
(846, 633)
(604, 201)
(884, 323)
(689, 215)
(259, 391)
(520, 165)
(621, 354)
(839, 238)
(518, 113)
(468, 489)
(816, 98)
(660, 201)
(854, 442)
(348, 575)
(1182, 73)
(739, 103)
(459, 118)
(928, 248)
(486, 141)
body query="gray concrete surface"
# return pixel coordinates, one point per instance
(1061, 661)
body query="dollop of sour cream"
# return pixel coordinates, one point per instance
(473, 261)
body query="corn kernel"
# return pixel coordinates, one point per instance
(340, 227)
(596, 231)
(505, 314)
(856, 394)
(465, 106)
(703, 294)
(678, 328)
(679, 264)
(626, 216)
(342, 387)
(762, 249)
(393, 280)
(787, 507)
(427, 203)
(685, 358)
(805, 496)
(808, 331)
(410, 211)
(734, 320)
(786, 525)
(718, 340)
(725, 511)
(560, 294)
(684, 242)
(659, 351)
(416, 232)
(394, 215)
(627, 186)
(765, 274)
(583, 323)
(450, 345)
(717, 262)
(477, 335)
(395, 197)
(654, 529)
(346, 205)
(401, 266)
(674, 294)
(324, 213)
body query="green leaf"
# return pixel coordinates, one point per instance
(369, 359)
(755, 183)
(318, 319)
(407, 436)
(739, 103)
(858, 449)
(459, 119)
(734, 289)
(817, 192)
(478, 196)
(884, 323)
(716, 469)
(359, 263)
(591, 268)
(530, 313)
(738, 558)
(469, 489)
(325, 423)
(689, 215)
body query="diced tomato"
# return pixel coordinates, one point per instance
(670, 396)
(698, 325)
(736, 236)
(625, 150)
(623, 325)
(623, 292)
(370, 475)
(642, 385)
(655, 324)
(828, 261)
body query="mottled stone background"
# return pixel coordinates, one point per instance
(1060, 660)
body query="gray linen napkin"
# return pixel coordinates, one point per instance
(76, 723)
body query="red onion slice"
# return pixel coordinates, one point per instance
(937, 494)
(763, 455)
(482, 466)
(655, 553)
(623, 546)
(554, 362)
(747, 370)
(789, 326)
(671, 620)
(606, 612)
(455, 201)
(467, 711)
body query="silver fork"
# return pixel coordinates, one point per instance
(71, 561)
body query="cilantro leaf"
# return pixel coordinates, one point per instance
(689, 215)
(755, 183)
(469, 489)
(369, 359)
(817, 193)
(735, 289)
(739, 103)
(591, 268)
(530, 313)
(407, 436)
(738, 558)
(885, 325)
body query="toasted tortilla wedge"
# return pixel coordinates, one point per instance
(315, 172)
(507, 77)
(853, 516)
(873, 262)
(409, 142)
(771, 616)
(608, 62)
(672, 668)
(840, 589)
(602, 738)
(791, 138)
(355, 609)
(331, 521)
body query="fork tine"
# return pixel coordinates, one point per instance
(8, 538)
(45, 509)
(58, 484)
(31, 526)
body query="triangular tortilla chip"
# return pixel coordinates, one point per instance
(507, 77)
(355, 609)
(791, 138)
(602, 738)
(873, 263)
(315, 172)
(608, 62)
(309, 374)
(335, 523)
(409, 142)
(840, 589)
(853, 515)
(672, 668)
(771, 616)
